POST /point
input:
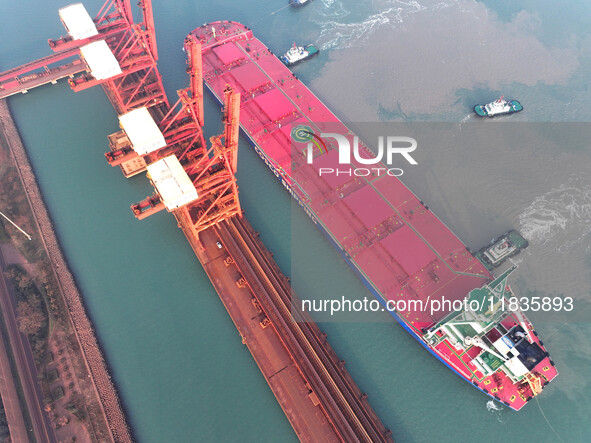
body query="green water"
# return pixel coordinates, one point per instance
(177, 359)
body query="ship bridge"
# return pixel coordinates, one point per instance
(483, 324)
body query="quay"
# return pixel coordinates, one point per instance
(310, 382)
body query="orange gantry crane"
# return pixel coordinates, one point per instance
(109, 50)
(112, 51)
(184, 157)
(137, 82)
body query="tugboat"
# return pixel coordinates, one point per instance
(298, 3)
(297, 54)
(501, 248)
(498, 107)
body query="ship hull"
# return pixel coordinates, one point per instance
(276, 102)
(354, 267)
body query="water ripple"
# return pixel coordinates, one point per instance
(561, 217)
(338, 34)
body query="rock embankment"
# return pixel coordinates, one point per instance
(92, 355)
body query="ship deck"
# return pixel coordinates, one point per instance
(400, 249)
(394, 240)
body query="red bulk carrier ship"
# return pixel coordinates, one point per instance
(401, 251)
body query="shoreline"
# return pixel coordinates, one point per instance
(92, 356)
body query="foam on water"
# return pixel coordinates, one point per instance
(463, 120)
(516, 260)
(333, 9)
(494, 408)
(491, 405)
(466, 118)
(562, 215)
(338, 34)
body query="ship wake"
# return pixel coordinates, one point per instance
(336, 33)
(561, 217)
(493, 407)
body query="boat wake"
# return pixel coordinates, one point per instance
(333, 9)
(337, 34)
(562, 215)
(493, 406)
(463, 120)
(516, 260)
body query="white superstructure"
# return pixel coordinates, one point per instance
(295, 54)
(500, 106)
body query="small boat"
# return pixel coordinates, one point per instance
(501, 248)
(298, 3)
(498, 107)
(297, 54)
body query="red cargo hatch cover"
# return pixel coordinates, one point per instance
(408, 249)
(274, 104)
(228, 53)
(248, 76)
